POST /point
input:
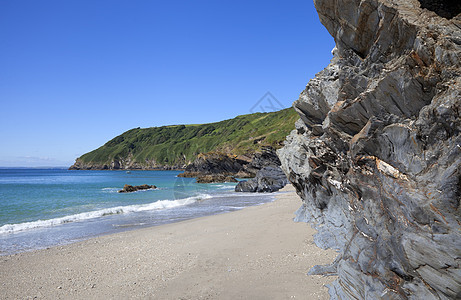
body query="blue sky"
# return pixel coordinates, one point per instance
(74, 74)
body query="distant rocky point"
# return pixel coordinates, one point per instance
(130, 188)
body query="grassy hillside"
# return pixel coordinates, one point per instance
(172, 145)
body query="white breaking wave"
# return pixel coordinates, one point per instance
(163, 204)
(110, 190)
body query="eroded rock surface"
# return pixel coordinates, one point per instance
(268, 179)
(213, 163)
(216, 167)
(376, 155)
(216, 178)
(267, 157)
(265, 168)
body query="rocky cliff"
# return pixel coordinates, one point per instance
(213, 163)
(376, 154)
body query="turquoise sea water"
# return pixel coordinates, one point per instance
(40, 208)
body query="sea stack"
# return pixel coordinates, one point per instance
(376, 154)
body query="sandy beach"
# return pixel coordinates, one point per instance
(254, 253)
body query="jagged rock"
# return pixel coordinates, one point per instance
(267, 157)
(265, 168)
(221, 163)
(214, 163)
(130, 188)
(215, 167)
(268, 179)
(215, 178)
(376, 156)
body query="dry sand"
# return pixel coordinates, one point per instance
(255, 253)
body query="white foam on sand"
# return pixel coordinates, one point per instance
(158, 205)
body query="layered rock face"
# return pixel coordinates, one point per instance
(213, 163)
(267, 157)
(376, 155)
(268, 176)
(267, 180)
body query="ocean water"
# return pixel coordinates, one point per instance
(40, 208)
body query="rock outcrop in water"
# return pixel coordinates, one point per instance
(376, 155)
(134, 188)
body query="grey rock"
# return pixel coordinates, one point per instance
(214, 163)
(376, 155)
(133, 188)
(268, 179)
(267, 157)
(215, 178)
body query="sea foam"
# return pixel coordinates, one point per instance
(158, 205)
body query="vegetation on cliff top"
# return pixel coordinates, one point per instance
(179, 144)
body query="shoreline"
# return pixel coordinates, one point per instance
(257, 252)
(95, 169)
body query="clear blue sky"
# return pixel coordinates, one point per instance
(74, 74)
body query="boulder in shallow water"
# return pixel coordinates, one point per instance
(130, 188)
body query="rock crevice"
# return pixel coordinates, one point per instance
(376, 154)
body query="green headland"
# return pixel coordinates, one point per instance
(173, 147)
